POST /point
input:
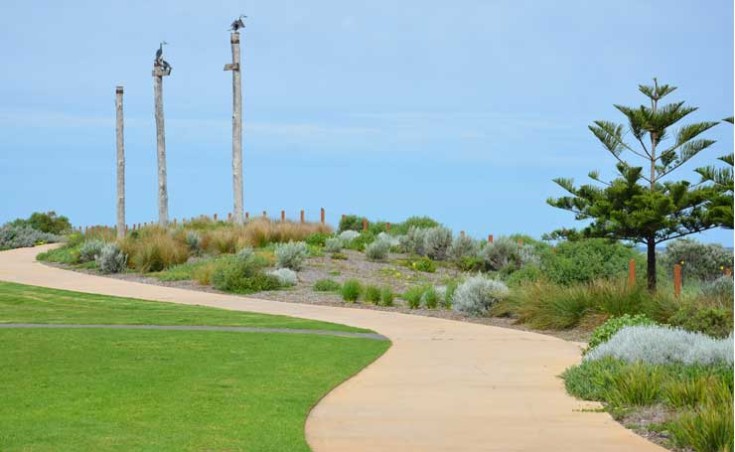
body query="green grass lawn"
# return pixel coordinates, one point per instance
(76, 389)
(29, 304)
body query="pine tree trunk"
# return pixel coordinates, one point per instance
(651, 271)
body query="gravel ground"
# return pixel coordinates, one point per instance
(389, 273)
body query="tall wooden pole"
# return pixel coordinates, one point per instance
(120, 163)
(236, 127)
(158, 74)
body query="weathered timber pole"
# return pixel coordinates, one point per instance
(236, 127)
(120, 163)
(158, 73)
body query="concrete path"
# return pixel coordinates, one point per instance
(442, 386)
(229, 329)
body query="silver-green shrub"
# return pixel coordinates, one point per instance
(285, 276)
(22, 236)
(477, 294)
(193, 241)
(437, 242)
(245, 254)
(664, 345)
(528, 256)
(462, 247)
(721, 288)
(348, 236)
(393, 240)
(377, 250)
(111, 259)
(500, 254)
(291, 255)
(702, 261)
(333, 245)
(90, 249)
(413, 242)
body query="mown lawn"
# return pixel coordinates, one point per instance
(78, 389)
(29, 304)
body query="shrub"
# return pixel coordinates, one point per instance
(413, 296)
(697, 316)
(719, 289)
(193, 241)
(448, 294)
(348, 236)
(587, 260)
(350, 223)
(90, 249)
(664, 345)
(360, 242)
(378, 250)
(699, 261)
(286, 277)
(430, 298)
(392, 240)
(604, 332)
(501, 255)
(333, 245)
(316, 239)
(414, 241)
(372, 294)
(291, 255)
(528, 273)
(437, 241)
(709, 425)
(111, 259)
(327, 285)
(351, 290)
(339, 256)
(23, 236)
(386, 296)
(477, 294)
(414, 222)
(202, 274)
(48, 222)
(463, 248)
(243, 274)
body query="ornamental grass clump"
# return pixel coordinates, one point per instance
(154, 250)
(291, 255)
(437, 241)
(372, 294)
(90, 249)
(243, 273)
(327, 285)
(285, 276)
(477, 294)
(351, 290)
(111, 259)
(664, 345)
(193, 241)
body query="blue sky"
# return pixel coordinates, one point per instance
(461, 110)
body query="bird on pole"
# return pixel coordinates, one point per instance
(238, 23)
(159, 53)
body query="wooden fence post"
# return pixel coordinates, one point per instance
(303, 219)
(322, 215)
(677, 280)
(283, 216)
(631, 273)
(265, 214)
(121, 229)
(490, 238)
(364, 224)
(387, 227)
(215, 217)
(461, 234)
(247, 215)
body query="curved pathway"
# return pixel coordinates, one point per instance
(443, 385)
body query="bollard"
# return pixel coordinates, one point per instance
(631, 273)
(677, 280)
